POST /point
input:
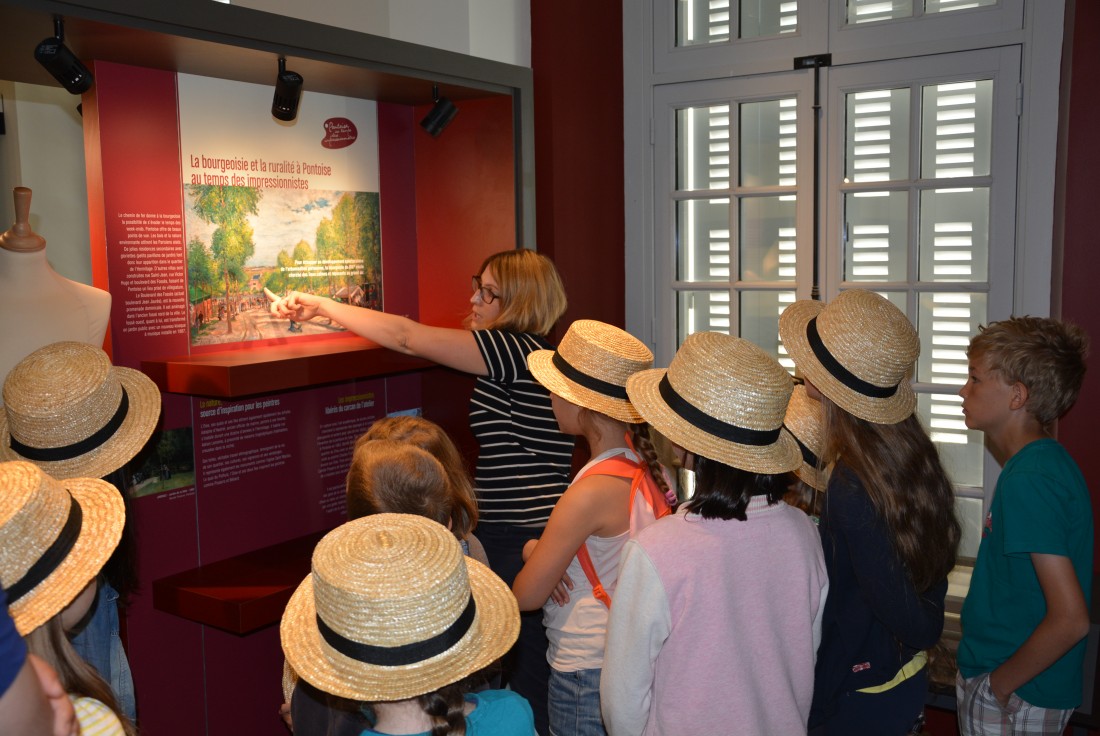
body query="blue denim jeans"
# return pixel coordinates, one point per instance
(100, 646)
(575, 703)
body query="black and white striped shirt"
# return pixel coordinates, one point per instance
(524, 460)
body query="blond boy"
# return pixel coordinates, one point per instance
(1027, 613)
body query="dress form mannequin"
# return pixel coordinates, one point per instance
(40, 305)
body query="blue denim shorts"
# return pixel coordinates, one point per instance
(575, 703)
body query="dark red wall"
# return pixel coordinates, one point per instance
(577, 60)
(1079, 158)
(465, 211)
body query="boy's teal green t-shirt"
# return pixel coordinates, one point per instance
(1041, 505)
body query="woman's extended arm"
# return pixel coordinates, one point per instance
(454, 348)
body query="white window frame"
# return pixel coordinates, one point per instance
(667, 100)
(648, 29)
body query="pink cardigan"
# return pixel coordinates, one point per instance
(715, 626)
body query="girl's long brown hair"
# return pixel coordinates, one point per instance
(901, 471)
(79, 678)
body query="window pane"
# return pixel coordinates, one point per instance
(877, 229)
(969, 512)
(945, 322)
(867, 11)
(767, 239)
(702, 311)
(946, 6)
(767, 143)
(955, 129)
(703, 147)
(877, 139)
(954, 235)
(760, 321)
(768, 17)
(702, 21)
(703, 234)
(961, 449)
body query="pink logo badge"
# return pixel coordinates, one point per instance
(339, 133)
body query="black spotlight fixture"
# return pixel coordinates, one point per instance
(441, 114)
(288, 92)
(62, 63)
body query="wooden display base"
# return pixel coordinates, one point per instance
(237, 373)
(217, 594)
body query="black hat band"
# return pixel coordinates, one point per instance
(590, 382)
(808, 455)
(839, 372)
(54, 555)
(76, 449)
(701, 420)
(404, 654)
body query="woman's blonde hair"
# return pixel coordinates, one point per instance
(430, 437)
(532, 297)
(50, 642)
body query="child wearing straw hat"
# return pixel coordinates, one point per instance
(55, 538)
(718, 608)
(806, 424)
(401, 476)
(888, 525)
(73, 414)
(586, 377)
(394, 616)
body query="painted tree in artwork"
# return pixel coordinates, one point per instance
(328, 247)
(355, 219)
(232, 242)
(201, 274)
(303, 257)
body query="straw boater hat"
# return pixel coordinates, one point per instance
(54, 538)
(804, 421)
(858, 350)
(393, 609)
(722, 398)
(590, 368)
(69, 411)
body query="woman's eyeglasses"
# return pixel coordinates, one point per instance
(483, 292)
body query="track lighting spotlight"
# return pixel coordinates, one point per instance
(53, 54)
(441, 114)
(288, 92)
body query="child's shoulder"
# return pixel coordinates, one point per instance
(1044, 466)
(1045, 455)
(500, 712)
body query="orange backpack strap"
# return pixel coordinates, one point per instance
(618, 466)
(590, 573)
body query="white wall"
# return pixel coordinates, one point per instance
(491, 29)
(43, 149)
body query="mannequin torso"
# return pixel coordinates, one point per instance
(40, 305)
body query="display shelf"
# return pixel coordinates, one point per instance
(241, 594)
(237, 373)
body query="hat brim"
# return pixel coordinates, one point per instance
(811, 476)
(781, 456)
(135, 430)
(495, 629)
(540, 363)
(792, 330)
(104, 514)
